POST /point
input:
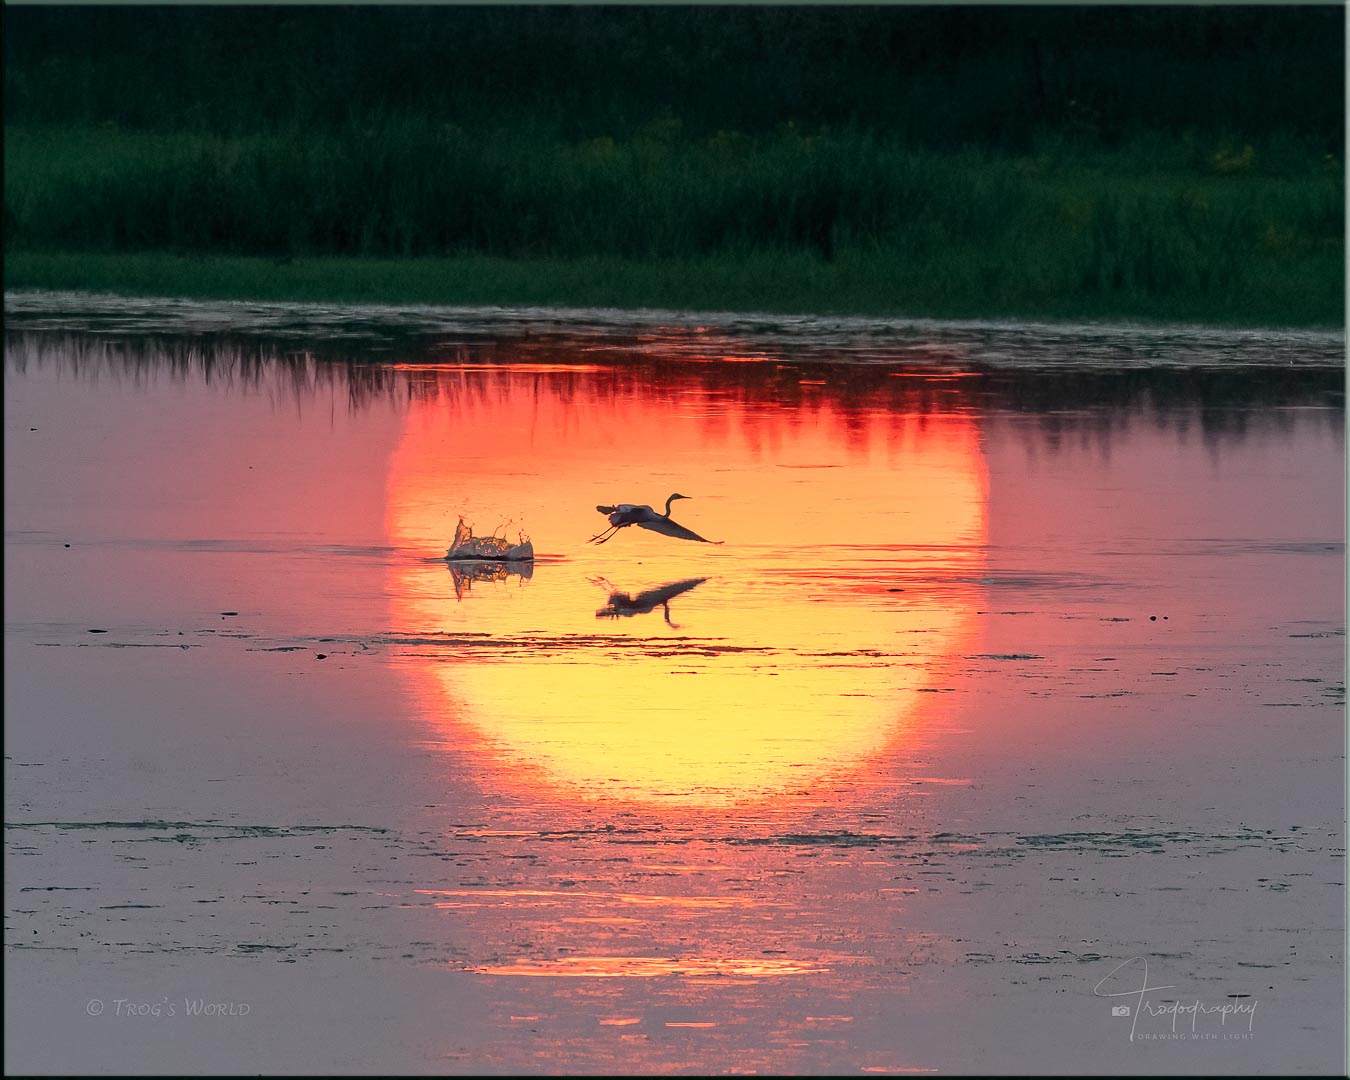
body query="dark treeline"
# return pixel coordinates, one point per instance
(1165, 162)
(938, 77)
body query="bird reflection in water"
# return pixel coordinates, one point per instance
(621, 604)
(466, 572)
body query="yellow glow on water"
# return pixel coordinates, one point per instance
(795, 658)
(648, 967)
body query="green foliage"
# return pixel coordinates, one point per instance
(933, 76)
(1156, 224)
(1173, 161)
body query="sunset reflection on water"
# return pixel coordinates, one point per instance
(907, 756)
(853, 538)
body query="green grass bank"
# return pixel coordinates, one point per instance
(407, 210)
(1177, 163)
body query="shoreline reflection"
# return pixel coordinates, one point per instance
(1225, 402)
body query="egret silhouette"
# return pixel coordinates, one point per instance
(621, 604)
(645, 517)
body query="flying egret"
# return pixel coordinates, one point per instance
(645, 517)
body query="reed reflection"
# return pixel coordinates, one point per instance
(1226, 400)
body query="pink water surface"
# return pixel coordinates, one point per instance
(976, 701)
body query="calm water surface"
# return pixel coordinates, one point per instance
(1020, 657)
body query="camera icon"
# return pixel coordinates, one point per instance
(1120, 1010)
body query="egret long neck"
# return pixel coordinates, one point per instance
(668, 502)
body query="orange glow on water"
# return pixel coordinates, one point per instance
(787, 655)
(648, 967)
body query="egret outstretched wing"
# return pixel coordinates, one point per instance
(673, 528)
(652, 597)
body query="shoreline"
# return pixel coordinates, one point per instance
(793, 285)
(380, 331)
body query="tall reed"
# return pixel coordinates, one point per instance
(1158, 218)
